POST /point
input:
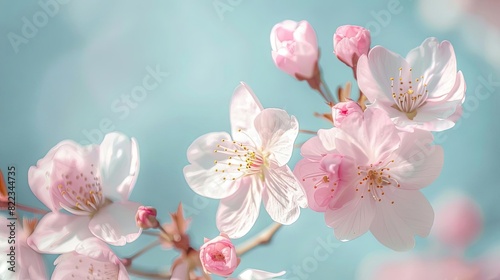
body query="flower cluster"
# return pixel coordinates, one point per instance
(364, 171)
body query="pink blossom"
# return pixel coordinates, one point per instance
(423, 90)
(27, 263)
(295, 48)
(218, 256)
(249, 167)
(458, 222)
(92, 259)
(350, 42)
(366, 175)
(145, 217)
(343, 109)
(93, 184)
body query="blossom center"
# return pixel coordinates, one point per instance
(408, 96)
(242, 160)
(97, 269)
(373, 179)
(218, 256)
(79, 193)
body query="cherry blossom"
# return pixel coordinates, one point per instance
(92, 183)
(367, 174)
(145, 217)
(248, 167)
(421, 91)
(295, 48)
(218, 256)
(350, 42)
(343, 109)
(92, 259)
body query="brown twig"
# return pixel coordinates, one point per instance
(264, 237)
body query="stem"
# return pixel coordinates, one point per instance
(3, 206)
(264, 237)
(307, 131)
(326, 93)
(151, 233)
(148, 275)
(145, 249)
(166, 235)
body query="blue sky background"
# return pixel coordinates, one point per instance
(66, 80)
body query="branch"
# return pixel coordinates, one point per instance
(148, 275)
(264, 237)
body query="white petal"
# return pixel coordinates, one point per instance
(375, 70)
(201, 175)
(277, 131)
(31, 264)
(68, 154)
(327, 138)
(418, 162)
(255, 274)
(313, 149)
(281, 189)
(368, 140)
(353, 218)
(437, 63)
(119, 164)
(57, 233)
(244, 109)
(77, 266)
(95, 248)
(396, 224)
(237, 213)
(115, 223)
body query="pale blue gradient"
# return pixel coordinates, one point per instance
(65, 80)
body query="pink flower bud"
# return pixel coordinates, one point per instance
(295, 48)
(350, 42)
(343, 109)
(146, 217)
(218, 256)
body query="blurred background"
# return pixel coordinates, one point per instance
(68, 70)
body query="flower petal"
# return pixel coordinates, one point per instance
(375, 70)
(327, 138)
(436, 62)
(368, 140)
(39, 176)
(93, 259)
(279, 195)
(277, 131)
(419, 162)
(282, 32)
(350, 217)
(313, 149)
(309, 174)
(255, 274)
(396, 224)
(115, 223)
(243, 110)
(201, 175)
(57, 233)
(119, 164)
(31, 264)
(245, 202)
